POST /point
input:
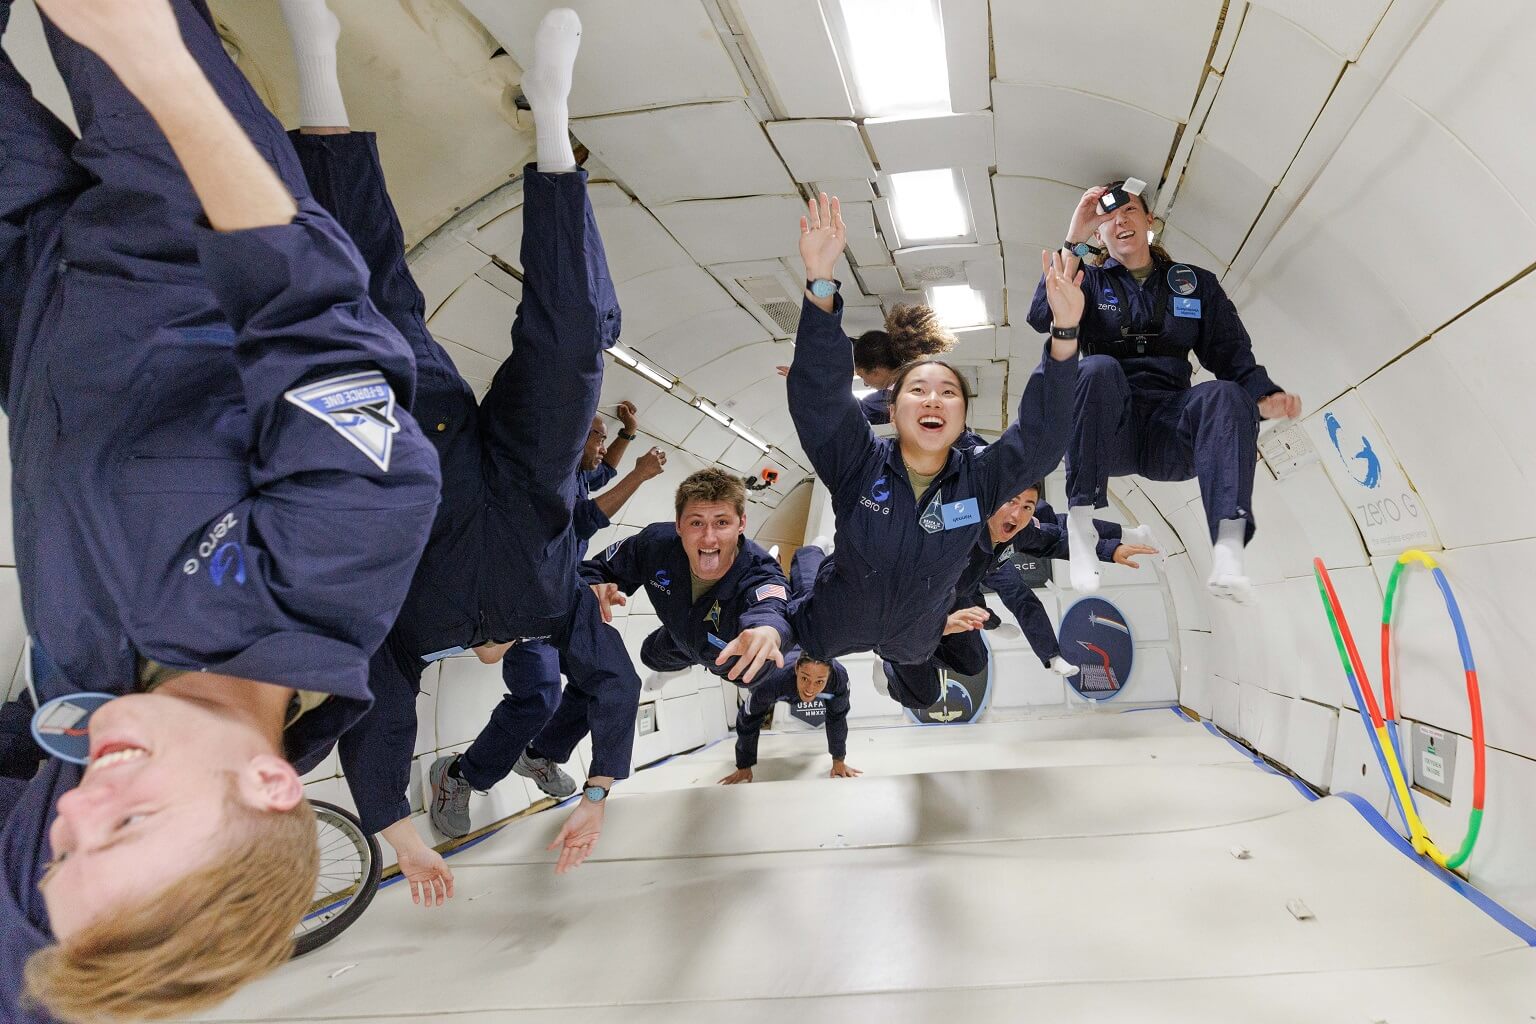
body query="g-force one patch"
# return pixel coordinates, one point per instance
(358, 406)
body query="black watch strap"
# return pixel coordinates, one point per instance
(1063, 332)
(625, 435)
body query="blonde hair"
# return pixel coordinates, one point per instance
(197, 942)
(712, 484)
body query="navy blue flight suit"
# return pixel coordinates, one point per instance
(498, 463)
(891, 583)
(1135, 411)
(830, 706)
(750, 594)
(213, 465)
(587, 517)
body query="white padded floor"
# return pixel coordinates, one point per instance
(1074, 869)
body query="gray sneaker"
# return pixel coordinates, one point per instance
(546, 775)
(449, 809)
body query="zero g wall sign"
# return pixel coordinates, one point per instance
(1097, 639)
(964, 699)
(1354, 453)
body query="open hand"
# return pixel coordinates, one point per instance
(430, 880)
(1063, 291)
(752, 648)
(822, 237)
(1126, 554)
(737, 776)
(965, 620)
(581, 832)
(840, 770)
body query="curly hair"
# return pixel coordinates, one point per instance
(916, 333)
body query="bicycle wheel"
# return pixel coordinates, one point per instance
(349, 876)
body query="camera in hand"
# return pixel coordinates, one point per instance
(1117, 197)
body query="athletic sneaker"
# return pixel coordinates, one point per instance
(546, 775)
(449, 809)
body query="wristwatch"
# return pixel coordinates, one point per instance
(1082, 250)
(625, 435)
(1065, 333)
(596, 794)
(823, 288)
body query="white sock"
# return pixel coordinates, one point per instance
(1083, 540)
(824, 542)
(314, 31)
(1139, 535)
(547, 85)
(1064, 668)
(1227, 580)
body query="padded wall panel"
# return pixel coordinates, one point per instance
(798, 62)
(1218, 201)
(1344, 27)
(1126, 139)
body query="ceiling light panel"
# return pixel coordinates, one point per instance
(894, 51)
(929, 206)
(958, 305)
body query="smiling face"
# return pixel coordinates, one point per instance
(711, 534)
(1125, 233)
(597, 445)
(1013, 516)
(928, 407)
(151, 807)
(811, 678)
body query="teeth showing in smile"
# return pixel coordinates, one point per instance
(119, 757)
(1122, 236)
(930, 421)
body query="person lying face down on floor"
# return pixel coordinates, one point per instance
(218, 508)
(1135, 410)
(908, 509)
(720, 597)
(818, 693)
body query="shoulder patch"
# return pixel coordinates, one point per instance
(768, 590)
(358, 406)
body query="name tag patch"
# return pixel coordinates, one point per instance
(1189, 309)
(715, 641)
(961, 513)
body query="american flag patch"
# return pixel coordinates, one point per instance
(768, 590)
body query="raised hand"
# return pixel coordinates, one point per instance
(1280, 406)
(626, 413)
(1063, 290)
(128, 35)
(652, 463)
(822, 237)
(1086, 218)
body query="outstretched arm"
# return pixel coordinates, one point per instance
(647, 467)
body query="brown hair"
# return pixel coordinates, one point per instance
(1158, 252)
(911, 332)
(710, 485)
(197, 942)
(907, 368)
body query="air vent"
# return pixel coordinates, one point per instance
(776, 303)
(937, 273)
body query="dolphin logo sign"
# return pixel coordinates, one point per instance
(1365, 465)
(881, 491)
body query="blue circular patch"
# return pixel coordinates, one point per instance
(965, 697)
(1096, 638)
(62, 725)
(1182, 280)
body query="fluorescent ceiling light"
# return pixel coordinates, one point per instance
(895, 50)
(747, 436)
(622, 356)
(958, 305)
(707, 407)
(655, 378)
(928, 206)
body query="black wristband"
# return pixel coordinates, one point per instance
(1064, 333)
(625, 436)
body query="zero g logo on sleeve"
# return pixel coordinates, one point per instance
(879, 494)
(228, 558)
(358, 406)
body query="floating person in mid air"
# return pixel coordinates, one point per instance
(1135, 410)
(219, 499)
(720, 597)
(909, 509)
(600, 467)
(817, 693)
(1045, 536)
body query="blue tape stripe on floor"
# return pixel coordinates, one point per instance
(1525, 932)
(1301, 787)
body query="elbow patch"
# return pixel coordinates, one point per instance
(358, 406)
